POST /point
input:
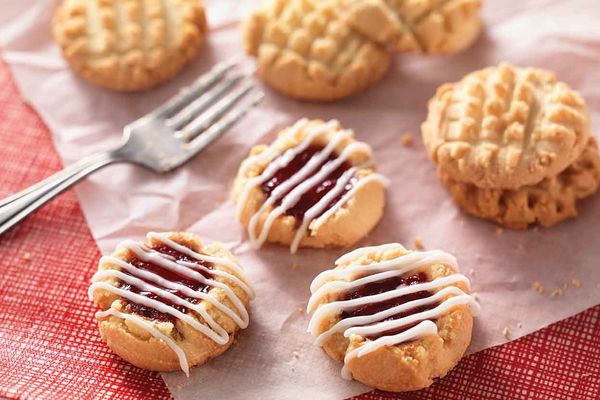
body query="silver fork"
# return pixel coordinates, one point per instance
(162, 140)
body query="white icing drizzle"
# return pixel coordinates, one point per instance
(405, 263)
(361, 251)
(340, 203)
(154, 283)
(153, 331)
(272, 152)
(299, 184)
(424, 328)
(444, 293)
(318, 208)
(292, 190)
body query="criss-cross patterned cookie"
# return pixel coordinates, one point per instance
(505, 127)
(548, 202)
(427, 26)
(305, 49)
(129, 45)
(397, 319)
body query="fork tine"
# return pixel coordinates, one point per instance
(205, 120)
(202, 103)
(197, 88)
(223, 125)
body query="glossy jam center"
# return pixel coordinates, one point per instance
(170, 276)
(315, 193)
(385, 286)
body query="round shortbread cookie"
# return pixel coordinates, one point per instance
(314, 186)
(170, 302)
(397, 319)
(549, 202)
(129, 45)
(505, 127)
(433, 27)
(306, 50)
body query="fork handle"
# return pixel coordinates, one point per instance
(18, 206)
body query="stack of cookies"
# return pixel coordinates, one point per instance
(513, 145)
(329, 49)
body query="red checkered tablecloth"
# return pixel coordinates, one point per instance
(50, 347)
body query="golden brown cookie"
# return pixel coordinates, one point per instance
(505, 127)
(396, 318)
(549, 202)
(306, 50)
(170, 302)
(427, 26)
(314, 186)
(129, 45)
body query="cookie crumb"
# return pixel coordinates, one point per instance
(295, 266)
(300, 310)
(27, 256)
(506, 333)
(537, 287)
(576, 282)
(586, 375)
(296, 354)
(475, 296)
(556, 292)
(407, 139)
(472, 272)
(519, 325)
(520, 247)
(499, 231)
(418, 243)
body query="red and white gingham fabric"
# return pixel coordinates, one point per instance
(49, 343)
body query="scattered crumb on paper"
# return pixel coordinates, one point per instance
(418, 244)
(408, 140)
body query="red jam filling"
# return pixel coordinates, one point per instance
(385, 286)
(169, 275)
(315, 193)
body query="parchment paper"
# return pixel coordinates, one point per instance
(275, 357)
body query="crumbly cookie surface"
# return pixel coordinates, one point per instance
(505, 127)
(130, 335)
(342, 222)
(433, 27)
(397, 364)
(549, 202)
(129, 45)
(305, 49)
